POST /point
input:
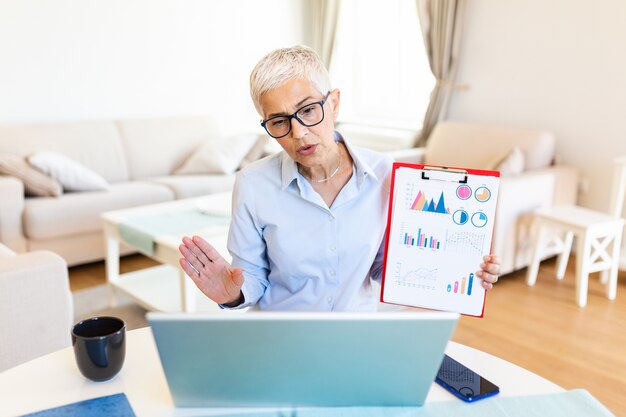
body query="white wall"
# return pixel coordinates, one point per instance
(558, 65)
(65, 60)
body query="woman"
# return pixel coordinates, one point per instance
(308, 223)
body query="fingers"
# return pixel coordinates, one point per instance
(197, 252)
(492, 259)
(490, 271)
(237, 277)
(191, 258)
(207, 249)
(189, 270)
(491, 264)
(487, 277)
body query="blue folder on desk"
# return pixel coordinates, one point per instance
(116, 405)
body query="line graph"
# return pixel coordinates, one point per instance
(422, 278)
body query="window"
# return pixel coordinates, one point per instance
(380, 64)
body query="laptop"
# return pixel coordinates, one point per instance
(306, 359)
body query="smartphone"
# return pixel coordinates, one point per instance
(463, 382)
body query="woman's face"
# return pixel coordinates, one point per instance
(309, 146)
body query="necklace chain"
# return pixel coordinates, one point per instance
(328, 178)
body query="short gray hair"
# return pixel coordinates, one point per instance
(286, 64)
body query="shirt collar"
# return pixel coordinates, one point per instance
(289, 168)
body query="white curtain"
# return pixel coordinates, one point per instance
(325, 15)
(442, 23)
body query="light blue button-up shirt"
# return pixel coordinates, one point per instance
(299, 254)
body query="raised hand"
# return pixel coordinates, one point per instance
(489, 271)
(215, 277)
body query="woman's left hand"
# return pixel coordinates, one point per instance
(489, 271)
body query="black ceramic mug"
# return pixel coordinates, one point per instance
(99, 347)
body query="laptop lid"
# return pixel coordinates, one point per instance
(307, 359)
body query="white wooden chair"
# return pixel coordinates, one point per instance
(598, 237)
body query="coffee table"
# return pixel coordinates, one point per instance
(164, 287)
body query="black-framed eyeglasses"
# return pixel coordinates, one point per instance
(310, 115)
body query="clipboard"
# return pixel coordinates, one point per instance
(439, 226)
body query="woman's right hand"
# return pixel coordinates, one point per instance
(209, 271)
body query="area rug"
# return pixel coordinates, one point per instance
(93, 302)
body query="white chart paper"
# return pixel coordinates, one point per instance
(439, 231)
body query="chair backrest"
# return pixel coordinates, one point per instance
(482, 146)
(618, 193)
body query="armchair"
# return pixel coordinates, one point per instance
(530, 182)
(36, 312)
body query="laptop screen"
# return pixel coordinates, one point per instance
(308, 359)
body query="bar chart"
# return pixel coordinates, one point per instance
(462, 286)
(421, 240)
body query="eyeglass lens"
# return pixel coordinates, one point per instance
(309, 115)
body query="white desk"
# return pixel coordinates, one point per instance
(164, 287)
(54, 380)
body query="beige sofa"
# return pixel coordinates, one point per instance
(136, 157)
(530, 178)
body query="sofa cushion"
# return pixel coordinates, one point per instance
(96, 145)
(72, 175)
(187, 186)
(77, 213)
(219, 156)
(509, 164)
(475, 145)
(156, 147)
(35, 182)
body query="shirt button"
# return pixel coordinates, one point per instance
(332, 272)
(330, 218)
(330, 300)
(333, 247)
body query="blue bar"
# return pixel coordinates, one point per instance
(469, 285)
(419, 234)
(406, 238)
(438, 243)
(413, 241)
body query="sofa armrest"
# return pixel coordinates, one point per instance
(36, 312)
(408, 155)
(11, 208)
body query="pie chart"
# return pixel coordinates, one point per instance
(463, 192)
(479, 219)
(460, 217)
(482, 194)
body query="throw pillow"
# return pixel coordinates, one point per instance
(218, 157)
(510, 164)
(72, 175)
(35, 182)
(257, 151)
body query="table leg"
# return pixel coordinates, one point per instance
(564, 256)
(187, 292)
(582, 268)
(112, 265)
(611, 288)
(538, 246)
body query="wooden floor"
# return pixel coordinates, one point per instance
(539, 328)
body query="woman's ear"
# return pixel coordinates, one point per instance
(334, 98)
